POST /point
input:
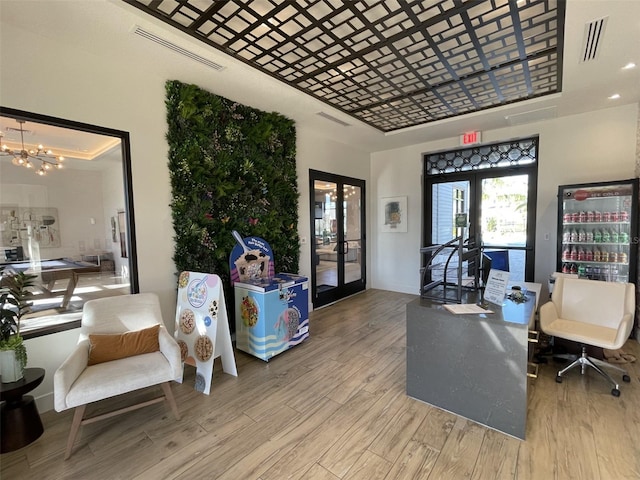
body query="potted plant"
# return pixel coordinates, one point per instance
(14, 303)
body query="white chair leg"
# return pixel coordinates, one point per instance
(75, 426)
(166, 388)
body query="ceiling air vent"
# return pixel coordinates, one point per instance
(333, 119)
(137, 30)
(592, 40)
(531, 116)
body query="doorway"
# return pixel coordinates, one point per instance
(337, 237)
(497, 192)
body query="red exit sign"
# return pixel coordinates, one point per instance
(470, 138)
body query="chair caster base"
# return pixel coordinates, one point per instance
(626, 378)
(615, 392)
(558, 379)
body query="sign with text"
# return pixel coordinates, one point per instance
(471, 138)
(496, 286)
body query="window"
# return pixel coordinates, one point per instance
(496, 185)
(64, 226)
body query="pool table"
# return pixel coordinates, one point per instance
(52, 270)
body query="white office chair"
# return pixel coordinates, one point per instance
(590, 312)
(76, 383)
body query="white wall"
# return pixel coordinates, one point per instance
(318, 153)
(592, 147)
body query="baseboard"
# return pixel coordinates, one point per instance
(396, 287)
(45, 402)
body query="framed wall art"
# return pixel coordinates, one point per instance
(393, 214)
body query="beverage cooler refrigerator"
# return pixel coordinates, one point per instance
(597, 230)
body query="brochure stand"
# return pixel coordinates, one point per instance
(202, 328)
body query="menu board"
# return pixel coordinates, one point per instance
(202, 328)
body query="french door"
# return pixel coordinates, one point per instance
(337, 237)
(500, 206)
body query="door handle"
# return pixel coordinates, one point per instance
(345, 247)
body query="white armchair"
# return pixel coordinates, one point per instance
(590, 312)
(78, 382)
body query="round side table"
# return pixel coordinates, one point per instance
(20, 419)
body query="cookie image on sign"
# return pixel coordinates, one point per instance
(187, 321)
(203, 348)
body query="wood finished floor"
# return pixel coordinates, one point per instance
(335, 408)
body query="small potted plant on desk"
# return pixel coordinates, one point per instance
(14, 296)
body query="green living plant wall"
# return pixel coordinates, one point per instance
(232, 167)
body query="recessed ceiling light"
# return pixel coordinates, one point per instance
(629, 66)
(615, 96)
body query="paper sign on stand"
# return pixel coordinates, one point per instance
(496, 286)
(202, 328)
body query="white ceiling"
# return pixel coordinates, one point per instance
(66, 142)
(106, 27)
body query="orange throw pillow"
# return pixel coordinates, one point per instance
(106, 347)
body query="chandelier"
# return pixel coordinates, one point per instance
(27, 158)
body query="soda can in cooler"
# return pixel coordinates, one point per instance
(597, 236)
(614, 236)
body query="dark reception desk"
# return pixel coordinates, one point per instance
(472, 365)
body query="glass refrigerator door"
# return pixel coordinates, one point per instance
(597, 229)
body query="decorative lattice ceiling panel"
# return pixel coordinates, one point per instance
(389, 63)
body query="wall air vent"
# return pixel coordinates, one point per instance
(333, 119)
(592, 39)
(532, 116)
(137, 30)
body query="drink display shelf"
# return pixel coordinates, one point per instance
(597, 244)
(593, 262)
(570, 224)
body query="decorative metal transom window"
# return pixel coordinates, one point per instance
(497, 155)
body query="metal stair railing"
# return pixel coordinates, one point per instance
(428, 286)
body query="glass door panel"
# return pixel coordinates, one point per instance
(338, 265)
(352, 196)
(326, 236)
(448, 199)
(504, 222)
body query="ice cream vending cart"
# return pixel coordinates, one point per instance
(271, 310)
